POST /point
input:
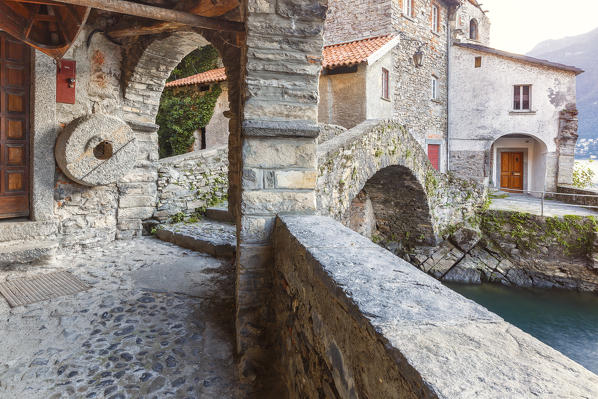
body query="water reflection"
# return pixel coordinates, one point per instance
(567, 321)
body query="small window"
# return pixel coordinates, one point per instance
(408, 7)
(522, 98)
(434, 155)
(385, 84)
(473, 29)
(434, 88)
(435, 18)
(478, 62)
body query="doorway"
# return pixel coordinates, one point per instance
(14, 127)
(511, 171)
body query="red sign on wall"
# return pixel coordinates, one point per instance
(66, 81)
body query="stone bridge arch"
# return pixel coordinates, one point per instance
(383, 158)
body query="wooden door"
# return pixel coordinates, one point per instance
(511, 171)
(434, 155)
(14, 127)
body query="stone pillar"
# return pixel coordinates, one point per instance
(278, 165)
(566, 141)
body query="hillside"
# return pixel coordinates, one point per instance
(580, 51)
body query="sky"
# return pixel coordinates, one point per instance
(518, 25)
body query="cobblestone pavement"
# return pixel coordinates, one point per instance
(156, 323)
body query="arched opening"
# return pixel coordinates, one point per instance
(392, 209)
(473, 29)
(518, 163)
(191, 113)
(191, 182)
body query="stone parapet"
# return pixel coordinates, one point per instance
(190, 182)
(353, 320)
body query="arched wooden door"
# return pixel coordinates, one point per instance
(15, 59)
(511, 171)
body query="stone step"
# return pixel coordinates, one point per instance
(219, 214)
(207, 236)
(24, 252)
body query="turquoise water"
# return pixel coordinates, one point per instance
(567, 321)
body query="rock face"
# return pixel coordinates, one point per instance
(518, 249)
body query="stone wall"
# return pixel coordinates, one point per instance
(464, 15)
(191, 182)
(349, 161)
(424, 117)
(518, 249)
(349, 20)
(328, 132)
(343, 98)
(354, 321)
(578, 196)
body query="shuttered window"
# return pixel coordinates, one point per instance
(435, 18)
(385, 84)
(522, 97)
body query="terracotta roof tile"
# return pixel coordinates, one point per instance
(352, 53)
(214, 75)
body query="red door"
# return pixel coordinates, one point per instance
(14, 127)
(434, 155)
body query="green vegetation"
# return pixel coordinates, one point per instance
(582, 177)
(184, 110)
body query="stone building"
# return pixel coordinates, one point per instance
(453, 93)
(215, 132)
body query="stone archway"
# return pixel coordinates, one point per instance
(384, 158)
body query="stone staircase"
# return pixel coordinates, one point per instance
(214, 235)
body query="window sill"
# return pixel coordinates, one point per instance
(435, 100)
(522, 112)
(435, 33)
(385, 99)
(412, 19)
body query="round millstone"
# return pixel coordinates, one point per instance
(96, 150)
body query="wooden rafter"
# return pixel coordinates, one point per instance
(46, 25)
(160, 14)
(206, 8)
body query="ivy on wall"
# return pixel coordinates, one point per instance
(183, 110)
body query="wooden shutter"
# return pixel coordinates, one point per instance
(14, 127)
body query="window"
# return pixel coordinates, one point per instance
(434, 88)
(522, 98)
(435, 18)
(434, 155)
(478, 62)
(408, 7)
(473, 29)
(385, 84)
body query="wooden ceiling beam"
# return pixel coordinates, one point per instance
(161, 14)
(205, 8)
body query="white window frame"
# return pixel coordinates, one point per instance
(434, 88)
(521, 109)
(435, 18)
(385, 84)
(408, 7)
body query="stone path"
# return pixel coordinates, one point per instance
(527, 203)
(157, 323)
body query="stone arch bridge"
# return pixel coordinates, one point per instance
(379, 159)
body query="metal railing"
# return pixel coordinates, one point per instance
(542, 196)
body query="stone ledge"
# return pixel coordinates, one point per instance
(27, 229)
(23, 252)
(261, 128)
(421, 338)
(213, 238)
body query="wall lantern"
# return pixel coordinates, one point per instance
(418, 58)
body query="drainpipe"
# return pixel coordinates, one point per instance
(448, 88)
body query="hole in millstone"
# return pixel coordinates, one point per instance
(103, 150)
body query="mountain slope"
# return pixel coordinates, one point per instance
(582, 52)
